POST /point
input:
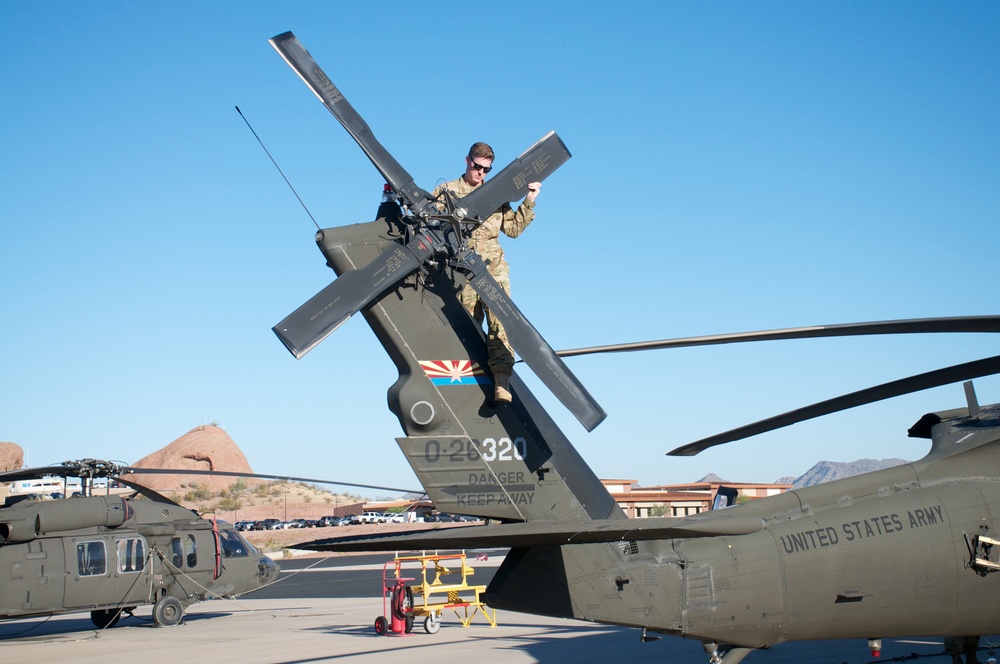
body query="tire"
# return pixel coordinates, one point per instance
(168, 612)
(381, 626)
(409, 624)
(432, 623)
(105, 618)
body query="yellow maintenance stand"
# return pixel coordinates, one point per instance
(432, 596)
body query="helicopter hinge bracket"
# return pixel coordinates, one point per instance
(985, 554)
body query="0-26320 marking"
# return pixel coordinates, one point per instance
(490, 449)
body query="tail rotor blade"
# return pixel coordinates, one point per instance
(537, 163)
(532, 348)
(346, 295)
(299, 59)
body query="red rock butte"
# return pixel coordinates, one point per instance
(207, 447)
(11, 456)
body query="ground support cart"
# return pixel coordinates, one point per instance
(433, 596)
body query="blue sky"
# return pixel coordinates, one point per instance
(736, 166)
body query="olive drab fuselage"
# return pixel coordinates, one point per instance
(107, 552)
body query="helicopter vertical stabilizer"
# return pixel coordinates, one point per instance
(508, 462)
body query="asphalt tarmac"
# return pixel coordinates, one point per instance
(337, 627)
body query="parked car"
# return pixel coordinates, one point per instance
(332, 521)
(368, 517)
(439, 518)
(267, 524)
(394, 517)
(244, 526)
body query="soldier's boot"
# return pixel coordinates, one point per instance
(501, 388)
(970, 656)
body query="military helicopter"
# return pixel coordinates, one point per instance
(111, 553)
(907, 551)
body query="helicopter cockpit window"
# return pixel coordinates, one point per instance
(91, 558)
(234, 546)
(184, 550)
(131, 555)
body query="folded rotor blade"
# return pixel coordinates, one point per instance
(284, 478)
(532, 348)
(544, 533)
(952, 374)
(346, 295)
(909, 326)
(298, 58)
(511, 184)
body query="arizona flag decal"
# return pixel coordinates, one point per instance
(454, 372)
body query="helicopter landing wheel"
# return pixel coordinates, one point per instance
(381, 626)
(432, 623)
(105, 618)
(168, 612)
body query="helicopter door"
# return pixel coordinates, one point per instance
(106, 571)
(87, 571)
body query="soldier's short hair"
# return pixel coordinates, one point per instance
(481, 151)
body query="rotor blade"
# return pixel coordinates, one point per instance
(330, 308)
(908, 326)
(146, 492)
(298, 58)
(952, 374)
(545, 533)
(532, 348)
(284, 478)
(511, 184)
(80, 468)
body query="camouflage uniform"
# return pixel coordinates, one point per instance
(485, 243)
(956, 646)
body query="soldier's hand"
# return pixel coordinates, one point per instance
(533, 189)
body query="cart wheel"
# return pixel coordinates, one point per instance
(381, 626)
(409, 624)
(432, 623)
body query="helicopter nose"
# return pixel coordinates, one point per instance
(267, 570)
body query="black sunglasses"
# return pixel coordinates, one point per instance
(479, 167)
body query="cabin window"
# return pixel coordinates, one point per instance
(91, 558)
(131, 555)
(184, 550)
(234, 546)
(176, 552)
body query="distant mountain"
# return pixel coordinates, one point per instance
(827, 471)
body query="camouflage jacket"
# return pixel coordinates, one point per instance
(506, 220)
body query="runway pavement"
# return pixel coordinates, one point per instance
(297, 630)
(291, 631)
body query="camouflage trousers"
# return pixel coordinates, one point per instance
(501, 354)
(956, 646)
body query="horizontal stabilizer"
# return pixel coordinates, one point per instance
(545, 534)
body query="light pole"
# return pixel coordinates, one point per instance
(286, 504)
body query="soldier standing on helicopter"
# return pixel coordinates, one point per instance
(484, 241)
